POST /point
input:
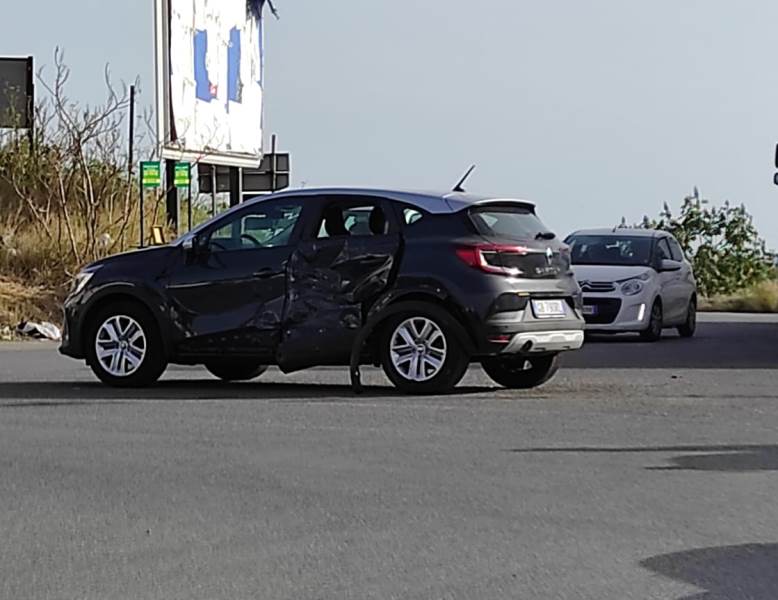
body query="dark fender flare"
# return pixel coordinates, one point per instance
(394, 309)
(147, 297)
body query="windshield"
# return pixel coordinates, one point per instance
(507, 221)
(610, 250)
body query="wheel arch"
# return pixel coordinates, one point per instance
(436, 297)
(409, 302)
(113, 295)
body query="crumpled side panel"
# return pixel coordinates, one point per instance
(329, 283)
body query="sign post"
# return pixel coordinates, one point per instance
(150, 178)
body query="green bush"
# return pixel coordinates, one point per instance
(721, 242)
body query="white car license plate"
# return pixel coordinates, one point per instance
(589, 310)
(548, 309)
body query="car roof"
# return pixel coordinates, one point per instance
(430, 201)
(622, 231)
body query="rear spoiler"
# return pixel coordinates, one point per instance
(525, 204)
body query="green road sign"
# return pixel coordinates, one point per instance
(150, 174)
(181, 178)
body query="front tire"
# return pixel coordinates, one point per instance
(124, 346)
(690, 325)
(653, 332)
(235, 369)
(521, 372)
(421, 354)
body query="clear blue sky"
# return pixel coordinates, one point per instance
(592, 108)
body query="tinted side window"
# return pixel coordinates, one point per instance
(350, 219)
(266, 225)
(675, 250)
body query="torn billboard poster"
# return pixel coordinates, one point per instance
(212, 81)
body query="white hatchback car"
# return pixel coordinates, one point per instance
(634, 280)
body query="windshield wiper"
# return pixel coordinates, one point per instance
(545, 235)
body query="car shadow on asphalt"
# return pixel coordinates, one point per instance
(724, 458)
(53, 393)
(716, 346)
(746, 571)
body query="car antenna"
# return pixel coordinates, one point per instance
(458, 187)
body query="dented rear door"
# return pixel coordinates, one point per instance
(331, 284)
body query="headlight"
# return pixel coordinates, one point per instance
(632, 287)
(80, 281)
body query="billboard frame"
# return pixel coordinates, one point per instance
(29, 93)
(167, 149)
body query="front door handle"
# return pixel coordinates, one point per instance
(266, 273)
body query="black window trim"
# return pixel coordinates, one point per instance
(323, 201)
(674, 245)
(659, 241)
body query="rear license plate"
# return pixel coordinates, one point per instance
(589, 310)
(548, 309)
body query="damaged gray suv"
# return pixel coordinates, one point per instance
(421, 284)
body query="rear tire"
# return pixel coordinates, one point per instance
(521, 372)
(653, 332)
(124, 346)
(235, 369)
(690, 325)
(421, 353)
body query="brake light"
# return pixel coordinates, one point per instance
(486, 257)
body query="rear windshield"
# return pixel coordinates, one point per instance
(507, 221)
(610, 250)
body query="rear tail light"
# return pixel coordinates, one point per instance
(488, 257)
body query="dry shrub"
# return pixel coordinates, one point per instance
(20, 302)
(66, 200)
(761, 298)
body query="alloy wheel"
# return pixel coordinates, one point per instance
(418, 349)
(120, 346)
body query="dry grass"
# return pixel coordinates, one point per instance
(761, 298)
(20, 302)
(36, 268)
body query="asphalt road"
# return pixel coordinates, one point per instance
(643, 471)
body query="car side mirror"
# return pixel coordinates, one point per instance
(666, 266)
(194, 245)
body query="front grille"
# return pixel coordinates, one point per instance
(606, 310)
(597, 286)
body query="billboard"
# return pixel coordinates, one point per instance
(210, 80)
(16, 93)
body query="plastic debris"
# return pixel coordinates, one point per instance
(39, 331)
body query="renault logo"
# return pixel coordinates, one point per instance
(549, 255)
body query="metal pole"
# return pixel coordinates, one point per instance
(31, 103)
(235, 191)
(273, 163)
(131, 159)
(171, 194)
(189, 201)
(142, 216)
(213, 190)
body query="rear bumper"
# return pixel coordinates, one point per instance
(521, 332)
(545, 342)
